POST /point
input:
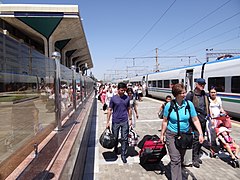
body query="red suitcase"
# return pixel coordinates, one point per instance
(152, 150)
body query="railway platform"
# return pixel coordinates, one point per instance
(102, 164)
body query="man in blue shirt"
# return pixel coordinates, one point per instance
(119, 109)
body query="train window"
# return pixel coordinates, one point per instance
(149, 83)
(154, 83)
(235, 84)
(160, 83)
(166, 83)
(175, 81)
(218, 82)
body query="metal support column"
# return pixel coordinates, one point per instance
(56, 56)
(74, 86)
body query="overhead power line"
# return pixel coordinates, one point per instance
(155, 57)
(215, 10)
(203, 31)
(211, 38)
(151, 28)
(197, 22)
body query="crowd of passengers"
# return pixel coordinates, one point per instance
(206, 117)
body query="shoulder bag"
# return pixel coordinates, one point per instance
(183, 140)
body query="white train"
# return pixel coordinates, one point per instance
(224, 74)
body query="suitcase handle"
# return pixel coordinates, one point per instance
(158, 142)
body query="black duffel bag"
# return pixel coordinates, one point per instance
(107, 139)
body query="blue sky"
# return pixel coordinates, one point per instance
(135, 28)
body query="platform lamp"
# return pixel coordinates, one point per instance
(56, 56)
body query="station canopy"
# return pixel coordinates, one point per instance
(58, 27)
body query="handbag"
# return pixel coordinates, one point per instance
(183, 140)
(160, 114)
(99, 97)
(104, 106)
(107, 139)
(132, 138)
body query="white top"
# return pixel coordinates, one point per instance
(135, 88)
(139, 89)
(109, 95)
(114, 90)
(215, 106)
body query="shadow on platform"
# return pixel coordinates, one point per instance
(158, 168)
(109, 156)
(132, 152)
(161, 169)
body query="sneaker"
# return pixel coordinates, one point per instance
(196, 164)
(124, 159)
(199, 161)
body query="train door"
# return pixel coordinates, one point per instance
(189, 80)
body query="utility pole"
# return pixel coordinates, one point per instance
(221, 54)
(157, 65)
(207, 54)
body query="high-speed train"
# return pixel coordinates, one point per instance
(224, 74)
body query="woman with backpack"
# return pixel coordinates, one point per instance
(178, 110)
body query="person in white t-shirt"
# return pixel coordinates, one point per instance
(140, 92)
(135, 93)
(215, 106)
(216, 109)
(114, 89)
(109, 95)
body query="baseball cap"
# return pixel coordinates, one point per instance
(200, 81)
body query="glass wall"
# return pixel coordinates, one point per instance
(27, 98)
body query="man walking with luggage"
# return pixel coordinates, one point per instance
(200, 102)
(119, 108)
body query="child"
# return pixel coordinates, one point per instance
(161, 109)
(228, 142)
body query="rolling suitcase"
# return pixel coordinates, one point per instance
(152, 150)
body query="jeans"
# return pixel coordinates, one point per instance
(124, 127)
